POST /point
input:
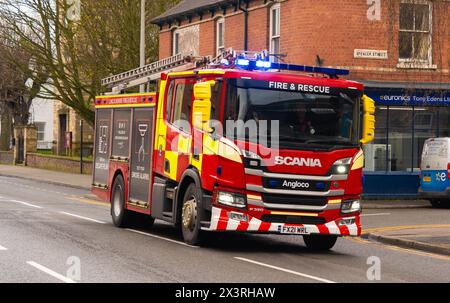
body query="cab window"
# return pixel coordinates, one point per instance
(182, 103)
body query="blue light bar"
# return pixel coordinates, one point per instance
(261, 64)
(311, 69)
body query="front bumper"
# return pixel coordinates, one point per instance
(220, 221)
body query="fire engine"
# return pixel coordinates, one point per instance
(241, 143)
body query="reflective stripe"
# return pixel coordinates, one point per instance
(221, 222)
(358, 161)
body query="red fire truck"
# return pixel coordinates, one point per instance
(243, 145)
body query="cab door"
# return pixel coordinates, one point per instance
(179, 133)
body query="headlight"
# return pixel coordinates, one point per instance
(341, 167)
(250, 155)
(231, 199)
(351, 206)
(251, 159)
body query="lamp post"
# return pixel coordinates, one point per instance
(142, 44)
(81, 146)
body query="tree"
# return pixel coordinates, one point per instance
(74, 55)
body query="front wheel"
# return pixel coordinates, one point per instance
(319, 242)
(440, 203)
(190, 216)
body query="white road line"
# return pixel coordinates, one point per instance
(378, 214)
(3, 248)
(26, 204)
(81, 217)
(286, 270)
(50, 272)
(161, 238)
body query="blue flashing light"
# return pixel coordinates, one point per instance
(243, 62)
(263, 64)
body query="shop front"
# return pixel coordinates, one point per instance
(405, 118)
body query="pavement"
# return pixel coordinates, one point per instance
(429, 238)
(47, 176)
(411, 229)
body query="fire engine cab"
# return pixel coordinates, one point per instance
(241, 144)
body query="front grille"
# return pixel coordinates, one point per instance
(292, 219)
(294, 200)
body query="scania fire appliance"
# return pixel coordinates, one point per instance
(239, 144)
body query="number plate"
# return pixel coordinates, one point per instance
(294, 230)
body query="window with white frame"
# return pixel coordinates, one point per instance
(275, 29)
(176, 43)
(415, 35)
(220, 35)
(40, 130)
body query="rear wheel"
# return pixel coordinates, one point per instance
(319, 242)
(121, 217)
(190, 216)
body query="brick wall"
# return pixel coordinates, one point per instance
(58, 164)
(331, 29)
(6, 157)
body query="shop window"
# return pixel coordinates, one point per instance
(415, 32)
(220, 35)
(375, 152)
(400, 138)
(444, 122)
(425, 126)
(275, 29)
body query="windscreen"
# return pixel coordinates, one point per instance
(295, 118)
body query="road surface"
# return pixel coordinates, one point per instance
(51, 233)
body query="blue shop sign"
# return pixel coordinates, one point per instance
(436, 98)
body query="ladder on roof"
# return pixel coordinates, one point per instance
(152, 71)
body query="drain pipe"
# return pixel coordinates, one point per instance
(245, 10)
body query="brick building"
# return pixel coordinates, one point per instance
(399, 49)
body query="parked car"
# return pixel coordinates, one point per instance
(435, 172)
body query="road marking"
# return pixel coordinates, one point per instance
(89, 201)
(286, 270)
(389, 228)
(161, 238)
(3, 248)
(81, 217)
(399, 249)
(26, 204)
(50, 272)
(377, 214)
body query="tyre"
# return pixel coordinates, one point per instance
(191, 216)
(121, 217)
(440, 203)
(319, 242)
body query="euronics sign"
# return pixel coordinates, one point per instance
(435, 98)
